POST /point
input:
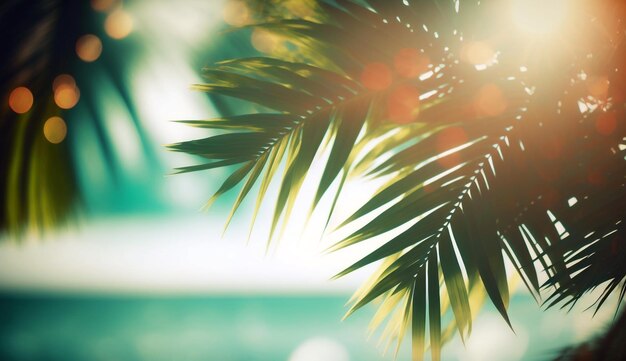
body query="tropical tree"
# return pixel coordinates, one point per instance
(497, 128)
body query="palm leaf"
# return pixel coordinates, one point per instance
(468, 189)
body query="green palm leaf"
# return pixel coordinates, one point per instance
(471, 189)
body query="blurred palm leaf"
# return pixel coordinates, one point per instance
(40, 189)
(483, 167)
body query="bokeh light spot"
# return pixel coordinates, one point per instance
(265, 41)
(410, 63)
(88, 48)
(489, 101)
(63, 80)
(403, 104)
(103, 5)
(376, 76)
(236, 13)
(66, 96)
(55, 130)
(21, 100)
(118, 24)
(478, 53)
(447, 139)
(598, 87)
(606, 123)
(300, 8)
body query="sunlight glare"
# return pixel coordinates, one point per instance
(538, 17)
(490, 101)
(478, 53)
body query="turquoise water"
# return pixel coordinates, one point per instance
(209, 328)
(219, 328)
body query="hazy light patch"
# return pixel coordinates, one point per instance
(163, 95)
(144, 255)
(538, 17)
(586, 324)
(123, 134)
(320, 348)
(162, 82)
(491, 339)
(478, 53)
(177, 26)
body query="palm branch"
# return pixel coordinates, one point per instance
(485, 164)
(40, 186)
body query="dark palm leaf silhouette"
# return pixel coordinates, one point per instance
(519, 156)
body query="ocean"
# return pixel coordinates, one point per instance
(238, 328)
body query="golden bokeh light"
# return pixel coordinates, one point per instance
(477, 53)
(236, 13)
(300, 8)
(410, 63)
(63, 80)
(118, 24)
(88, 48)
(606, 123)
(66, 96)
(21, 100)
(598, 87)
(265, 41)
(447, 139)
(55, 130)
(490, 101)
(403, 104)
(538, 17)
(103, 5)
(376, 76)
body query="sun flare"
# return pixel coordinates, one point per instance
(539, 17)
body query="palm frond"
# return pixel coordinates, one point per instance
(41, 185)
(471, 186)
